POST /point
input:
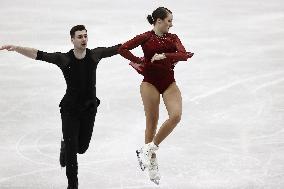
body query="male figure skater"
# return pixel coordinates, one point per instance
(78, 107)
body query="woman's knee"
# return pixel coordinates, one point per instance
(175, 119)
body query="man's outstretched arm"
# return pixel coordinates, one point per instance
(105, 52)
(57, 58)
(26, 51)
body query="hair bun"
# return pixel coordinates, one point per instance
(150, 19)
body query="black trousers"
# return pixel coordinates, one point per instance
(77, 131)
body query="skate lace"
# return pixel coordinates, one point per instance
(153, 165)
(148, 152)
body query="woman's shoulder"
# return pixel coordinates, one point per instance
(147, 33)
(172, 35)
(144, 36)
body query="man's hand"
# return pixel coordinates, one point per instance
(158, 57)
(8, 47)
(26, 51)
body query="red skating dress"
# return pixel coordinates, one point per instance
(159, 73)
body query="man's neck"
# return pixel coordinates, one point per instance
(79, 54)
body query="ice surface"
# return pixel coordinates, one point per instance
(231, 135)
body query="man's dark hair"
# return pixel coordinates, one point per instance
(76, 28)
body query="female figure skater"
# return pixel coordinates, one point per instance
(162, 50)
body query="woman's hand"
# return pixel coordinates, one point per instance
(158, 57)
(190, 54)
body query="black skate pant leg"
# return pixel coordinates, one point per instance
(86, 130)
(70, 129)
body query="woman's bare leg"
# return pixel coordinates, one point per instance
(151, 100)
(173, 102)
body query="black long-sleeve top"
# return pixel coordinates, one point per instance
(80, 76)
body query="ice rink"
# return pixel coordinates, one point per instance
(232, 131)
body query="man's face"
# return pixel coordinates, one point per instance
(80, 40)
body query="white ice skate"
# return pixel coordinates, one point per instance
(145, 153)
(153, 169)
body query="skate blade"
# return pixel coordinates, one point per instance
(157, 182)
(142, 166)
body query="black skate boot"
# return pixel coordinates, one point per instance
(73, 185)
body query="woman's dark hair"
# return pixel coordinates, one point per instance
(76, 28)
(160, 12)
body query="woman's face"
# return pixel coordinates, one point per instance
(166, 24)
